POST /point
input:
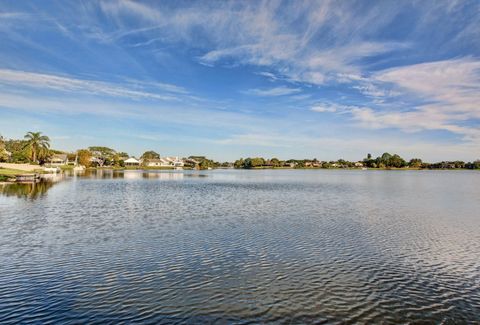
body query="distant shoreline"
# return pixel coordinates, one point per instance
(8, 176)
(272, 168)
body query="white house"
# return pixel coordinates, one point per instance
(172, 162)
(175, 161)
(58, 160)
(156, 162)
(132, 162)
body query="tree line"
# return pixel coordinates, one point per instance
(35, 148)
(385, 161)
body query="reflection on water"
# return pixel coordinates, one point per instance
(34, 190)
(27, 190)
(240, 247)
(137, 174)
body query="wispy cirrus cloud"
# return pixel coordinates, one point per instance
(260, 33)
(331, 108)
(132, 89)
(271, 92)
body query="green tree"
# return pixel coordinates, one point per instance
(150, 155)
(258, 162)
(326, 164)
(3, 152)
(275, 162)
(18, 151)
(239, 163)
(206, 163)
(384, 159)
(37, 144)
(84, 157)
(122, 155)
(396, 161)
(387, 160)
(342, 162)
(247, 163)
(415, 163)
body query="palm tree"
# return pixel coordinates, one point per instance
(37, 144)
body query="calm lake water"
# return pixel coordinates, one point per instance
(239, 247)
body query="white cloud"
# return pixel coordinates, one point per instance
(133, 89)
(158, 113)
(448, 92)
(324, 108)
(261, 33)
(368, 88)
(332, 108)
(453, 82)
(269, 75)
(277, 91)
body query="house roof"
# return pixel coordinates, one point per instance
(132, 160)
(59, 156)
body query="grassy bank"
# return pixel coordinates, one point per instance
(11, 172)
(7, 173)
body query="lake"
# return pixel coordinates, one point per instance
(240, 247)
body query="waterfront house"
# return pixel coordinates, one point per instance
(172, 162)
(58, 160)
(175, 161)
(161, 162)
(132, 162)
(312, 163)
(96, 161)
(152, 162)
(191, 162)
(358, 164)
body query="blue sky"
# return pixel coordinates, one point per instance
(324, 79)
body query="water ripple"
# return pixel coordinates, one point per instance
(283, 247)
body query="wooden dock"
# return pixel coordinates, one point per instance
(27, 178)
